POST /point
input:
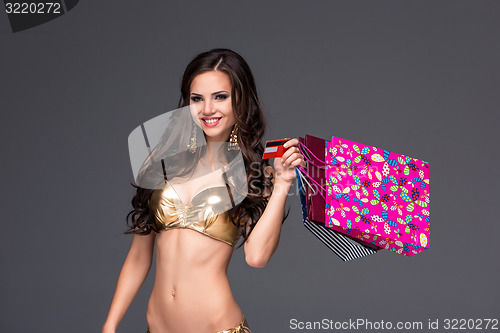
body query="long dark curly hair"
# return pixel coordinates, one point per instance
(251, 128)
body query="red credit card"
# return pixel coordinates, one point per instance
(274, 148)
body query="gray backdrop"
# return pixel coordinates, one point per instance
(419, 78)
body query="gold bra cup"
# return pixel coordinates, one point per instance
(207, 212)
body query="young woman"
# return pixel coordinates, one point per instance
(191, 291)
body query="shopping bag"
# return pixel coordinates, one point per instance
(314, 151)
(315, 168)
(344, 247)
(378, 196)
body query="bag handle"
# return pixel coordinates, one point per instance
(302, 174)
(304, 181)
(308, 159)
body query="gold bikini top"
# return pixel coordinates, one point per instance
(208, 212)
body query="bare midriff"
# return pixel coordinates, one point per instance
(191, 291)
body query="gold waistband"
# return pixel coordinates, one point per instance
(241, 328)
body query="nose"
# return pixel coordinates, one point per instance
(208, 107)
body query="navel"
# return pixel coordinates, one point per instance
(173, 293)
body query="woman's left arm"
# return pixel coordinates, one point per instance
(264, 238)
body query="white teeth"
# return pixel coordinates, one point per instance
(211, 121)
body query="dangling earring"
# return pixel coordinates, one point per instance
(192, 143)
(233, 139)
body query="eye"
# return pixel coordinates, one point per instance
(195, 98)
(221, 97)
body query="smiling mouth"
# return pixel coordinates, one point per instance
(211, 121)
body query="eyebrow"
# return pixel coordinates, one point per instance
(215, 93)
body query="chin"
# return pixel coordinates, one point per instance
(217, 136)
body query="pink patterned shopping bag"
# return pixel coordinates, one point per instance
(378, 196)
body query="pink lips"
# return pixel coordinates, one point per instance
(210, 124)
